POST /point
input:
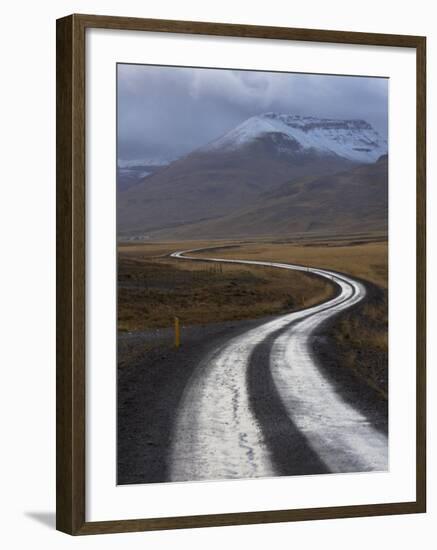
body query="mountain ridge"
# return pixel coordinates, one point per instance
(354, 139)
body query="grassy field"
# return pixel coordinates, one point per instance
(366, 260)
(363, 259)
(153, 290)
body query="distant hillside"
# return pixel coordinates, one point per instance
(131, 173)
(352, 201)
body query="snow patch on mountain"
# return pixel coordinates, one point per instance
(354, 140)
(137, 163)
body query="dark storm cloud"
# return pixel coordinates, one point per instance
(169, 111)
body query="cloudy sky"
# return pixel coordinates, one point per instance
(166, 112)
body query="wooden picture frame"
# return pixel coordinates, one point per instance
(71, 253)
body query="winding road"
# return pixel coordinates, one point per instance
(260, 406)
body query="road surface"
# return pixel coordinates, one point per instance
(259, 405)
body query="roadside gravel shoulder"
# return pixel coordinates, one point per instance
(149, 388)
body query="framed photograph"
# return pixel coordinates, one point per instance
(240, 274)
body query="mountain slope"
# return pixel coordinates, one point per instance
(352, 201)
(235, 171)
(133, 172)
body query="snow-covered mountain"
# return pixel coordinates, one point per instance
(263, 155)
(152, 161)
(354, 140)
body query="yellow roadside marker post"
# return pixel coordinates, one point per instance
(177, 332)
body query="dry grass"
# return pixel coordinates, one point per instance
(367, 260)
(153, 290)
(361, 341)
(364, 260)
(152, 249)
